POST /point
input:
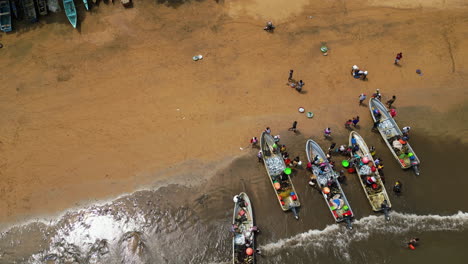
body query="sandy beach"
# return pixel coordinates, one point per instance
(118, 104)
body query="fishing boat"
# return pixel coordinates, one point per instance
(29, 10)
(70, 11)
(42, 7)
(243, 242)
(86, 4)
(368, 176)
(14, 9)
(327, 180)
(280, 180)
(5, 16)
(392, 136)
(126, 3)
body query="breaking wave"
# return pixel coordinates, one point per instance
(340, 237)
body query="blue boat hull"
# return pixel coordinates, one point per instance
(70, 11)
(5, 16)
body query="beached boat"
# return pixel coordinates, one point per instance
(86, 4)
(14, 9)
(392, 136)
(70, 11)
(281, 182)
(42, 7)
(29, 10)
(243, 242)
(327, 180)
(5, 16)
(126, 3)
(366, 171)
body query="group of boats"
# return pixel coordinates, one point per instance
(30, 9)
(326, 179)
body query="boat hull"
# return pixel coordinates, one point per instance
(376, 197)
(5, 16)
(70, 11)
(29, 10)
(238, 255)
(389, 130)
(323, 177)
(274, 165)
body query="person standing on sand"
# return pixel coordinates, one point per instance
(260, 156)
(268, 130)
(392, 112)
(355, 121)
(348, 124)
(294, 127)
(290, 75)
(362, 97)
(398, 58)
(391, 101)
(254, 141)
(299, 86)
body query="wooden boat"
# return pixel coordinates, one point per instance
(243, 223)
(29, 10)
(377, 195)
(70, 11)
(390, 132)
(126, 3)
(5, 16)
(282, 184)
(86, 4)
(42, 7)
(327, 178)
(14, 9)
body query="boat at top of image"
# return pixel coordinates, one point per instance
(393, 136)
(327, 180)
(14, 9)
(368, 175)
(5, 16)
(126, 3)
(42, 7)
(280, 180)
(70, 11)
(86, 4)
(29, 10)
(243, 242)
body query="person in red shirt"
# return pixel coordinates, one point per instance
(398, 58)
(393, 112)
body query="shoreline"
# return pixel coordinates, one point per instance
(77, 126)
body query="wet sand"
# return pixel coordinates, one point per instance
(119, 104)
(149, 226)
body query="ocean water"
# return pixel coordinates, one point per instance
(180, 223)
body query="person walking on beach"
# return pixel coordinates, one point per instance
(331, 148)
(260, 156)
(327, 132)
(362, 97)
(254, 142)
(354, 70)
(299, 86)
(290, 75)
(294, 127)
(355, 121)
(398, 58)
(269, 27)
(391, 101)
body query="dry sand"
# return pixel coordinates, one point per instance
(91, 113)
